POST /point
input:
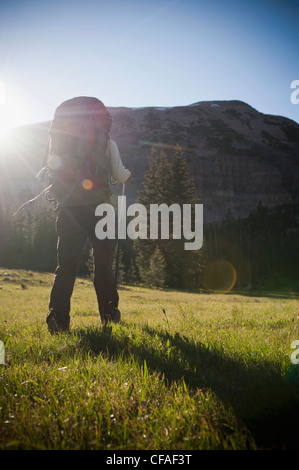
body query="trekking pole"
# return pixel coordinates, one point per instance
(115, 312)
(118, 244)
(40, 175)
(32, 200)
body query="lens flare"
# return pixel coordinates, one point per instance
(219, 276)
(87, 184)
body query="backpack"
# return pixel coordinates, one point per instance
(78, 138)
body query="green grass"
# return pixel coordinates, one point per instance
(181, 371)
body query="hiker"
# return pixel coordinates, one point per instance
(82, 158)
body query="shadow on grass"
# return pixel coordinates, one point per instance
(265, 401)
(271, 294)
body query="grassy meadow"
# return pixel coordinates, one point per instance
(182, 371)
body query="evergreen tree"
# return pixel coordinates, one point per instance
(181, 186)
(169, 183)
(154, 191)
(89, 265)
(43, 238)
(156, 180)
(184, 266)
(155, 275)
(30, 238)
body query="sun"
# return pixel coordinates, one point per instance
(13, 112)
(2, 93)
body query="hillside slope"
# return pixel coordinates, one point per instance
(238, 156)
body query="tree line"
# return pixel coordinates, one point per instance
(249, 250)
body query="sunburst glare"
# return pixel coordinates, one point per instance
(13, 111)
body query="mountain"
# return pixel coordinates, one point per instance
(237, 156)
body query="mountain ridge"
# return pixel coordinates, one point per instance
(237, 155)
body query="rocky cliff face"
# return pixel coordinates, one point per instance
(237, 156)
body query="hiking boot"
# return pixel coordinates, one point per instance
(56, 323)
(113, 317)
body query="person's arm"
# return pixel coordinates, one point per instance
(118, 171)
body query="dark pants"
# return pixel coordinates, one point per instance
(74, 226)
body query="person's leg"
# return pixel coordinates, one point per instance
(105, 288)
(104, 282)
(71, 239)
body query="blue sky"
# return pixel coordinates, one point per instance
(146, 53)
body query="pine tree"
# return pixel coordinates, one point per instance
(181, 186)
(184, 266)
(169, 183)
(155, 275)
(154, 191)
(89, 265)
(30, 238)
(156, 180)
